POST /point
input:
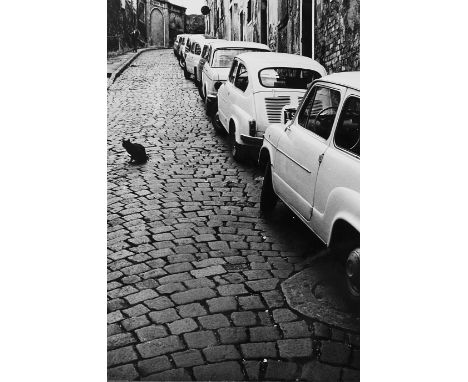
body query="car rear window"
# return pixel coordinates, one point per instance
(291, 78)
(223, 58)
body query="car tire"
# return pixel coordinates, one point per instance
(195, 78)
(186, 73)
(181, 62)
(218, 127)
(268, 197)
(352, 275)
(236, 148)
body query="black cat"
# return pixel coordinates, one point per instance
(137, 152)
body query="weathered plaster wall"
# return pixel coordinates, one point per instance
(337, 32)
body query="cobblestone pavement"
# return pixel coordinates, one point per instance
(194, 272)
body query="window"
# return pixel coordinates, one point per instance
(242, 78)
(319, 111)
(204, 52)
(192, 50)
(223, 57)
(208, 58)
(347, 134)
(232, 73)
(249, 11)
(292, 78)
(197, 49)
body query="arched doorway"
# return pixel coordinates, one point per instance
(157, 28)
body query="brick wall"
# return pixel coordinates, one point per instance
(337, 34)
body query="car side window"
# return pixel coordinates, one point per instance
(208, 59)
(232, 73)
(318, 112)
(205, 50)
(242, 78)
(197, 49)
(347, 134)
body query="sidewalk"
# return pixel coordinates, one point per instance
(117, 64)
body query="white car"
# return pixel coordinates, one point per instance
(184, 46)
(312, 164)
(193, 56)
(180, 40)
(218, 63)
(258, 87)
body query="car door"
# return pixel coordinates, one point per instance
(241, 99)
(338, 186)
(206, 73)
(224, 101)
(302, 146)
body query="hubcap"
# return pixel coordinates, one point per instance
(353, 271)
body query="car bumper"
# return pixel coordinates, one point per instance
(251, 145)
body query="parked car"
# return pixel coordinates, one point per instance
(193, 56)
(218, 63)
(258, 86)
(202, 61)
(312, 164)
(185, 47)
(180, 39)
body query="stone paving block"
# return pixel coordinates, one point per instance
(171, 288)
(178, 267)
(321, 330)
(209, 262)
(169, 375)
(180, 258)
(163, 316)
(315, 370)
(199, 283)
(223, 371)
(135, 269)
(244, 318)
(159, 303)
(262, 285)
(152, 332)
(253, 369)
(188, 358)
(205, 238)
(200, 340)
(296, 329)
(160, 346)
(232, 290)
(143, 295)
(214, 321)
(283, 315)
(251, 302)
(147, 284)
(273, 298)
(222, 304)
(119, 340)
(113, 329)
(334, 352)
(116, 304)
(124, 372)
(191, 310)
(133, 323)
(121, 356)
(122, 292)
(257, 274)
(178, 277)
(192, 295)
(182, 326)
(154, 365)
(153, 273)
(278, 370)
(295, 348)
(114, 317)
(208, 271)
(264, 334)
(259, 350)
(221, 353)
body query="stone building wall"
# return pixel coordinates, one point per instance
(163, 22)
(120, 22)
(337, 32)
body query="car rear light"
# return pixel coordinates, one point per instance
(252, 128)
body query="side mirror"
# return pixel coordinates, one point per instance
(287, 113)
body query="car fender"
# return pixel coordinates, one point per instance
(342, 204)
(241, 118)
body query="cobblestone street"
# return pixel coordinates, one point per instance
(194, 271)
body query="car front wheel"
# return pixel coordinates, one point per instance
(352, 274)
(268, 197)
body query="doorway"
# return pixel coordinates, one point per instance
(157, 28)
(306, 31)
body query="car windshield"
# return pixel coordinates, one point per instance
(223, 57)
(291, 78)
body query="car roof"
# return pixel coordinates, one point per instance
(348, 79)
(239, 44)
(257, 61)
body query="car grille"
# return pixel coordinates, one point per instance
(273, 107)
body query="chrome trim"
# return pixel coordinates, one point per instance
(295, 161)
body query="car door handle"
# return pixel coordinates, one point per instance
(320, 158)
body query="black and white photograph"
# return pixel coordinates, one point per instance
(233, 190)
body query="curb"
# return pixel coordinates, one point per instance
(127, 63)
